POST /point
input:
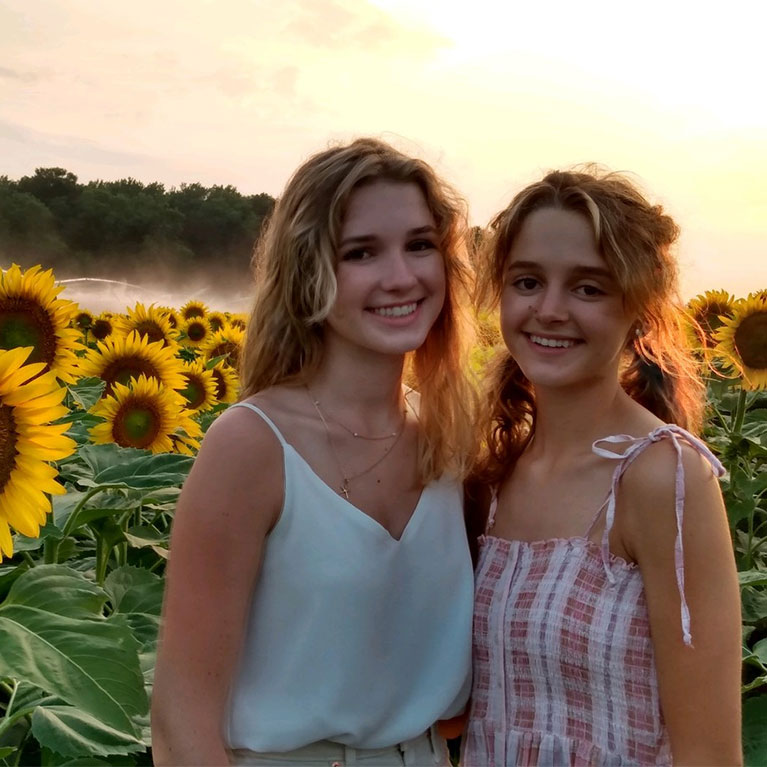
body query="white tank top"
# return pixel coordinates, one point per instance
(353, 636)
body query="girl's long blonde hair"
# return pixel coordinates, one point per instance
(635, 238)
(295, 262)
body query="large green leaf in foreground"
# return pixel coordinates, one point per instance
(88, 662)
(71, 732)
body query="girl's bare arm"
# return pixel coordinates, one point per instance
(229, 502)
(699, 686)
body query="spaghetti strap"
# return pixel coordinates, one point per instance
(492, 510)
(637, 445)
(266, 418)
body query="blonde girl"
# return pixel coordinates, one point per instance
(606, 625)
(318, 608)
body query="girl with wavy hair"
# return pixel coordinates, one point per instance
(607, 622)
(319, 599)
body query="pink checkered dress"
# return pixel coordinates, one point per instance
(564, 672)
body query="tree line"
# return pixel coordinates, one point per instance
(127, 229)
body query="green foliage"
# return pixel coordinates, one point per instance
(80, 611)
(88, 229)
(737, 431)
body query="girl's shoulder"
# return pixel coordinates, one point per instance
(670, 478)
(663, 458)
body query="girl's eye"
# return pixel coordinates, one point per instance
(356, 254)
(525, 284)
(590, 291)
(422, 245)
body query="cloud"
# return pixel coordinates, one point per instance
(14, 74)
(344, 24)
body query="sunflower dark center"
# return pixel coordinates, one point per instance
(83, 320)
(26, 323)
(194, 392)
(196, 331)
(7, 444)
(221, 387)
(101, 329)
(193, 311)
(125, 369)
(136, 424)
(151, 330)
(751, 340)
(216, 323)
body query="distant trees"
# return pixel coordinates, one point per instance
(124, 228)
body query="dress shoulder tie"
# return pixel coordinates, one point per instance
(635, 446)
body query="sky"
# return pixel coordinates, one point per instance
(492, 93)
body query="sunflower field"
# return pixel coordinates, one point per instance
(100, 419)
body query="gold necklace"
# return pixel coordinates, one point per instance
(346, 480)
(356, 434)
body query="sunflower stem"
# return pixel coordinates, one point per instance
(12, 692)
(27, 557)
(51, 551)
(70, 523)
(740, 412)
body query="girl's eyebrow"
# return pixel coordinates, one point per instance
(365, 238)
(578, 271)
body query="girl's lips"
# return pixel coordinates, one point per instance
(551, 344)
(396, 310)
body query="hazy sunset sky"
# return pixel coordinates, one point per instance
(493, 93)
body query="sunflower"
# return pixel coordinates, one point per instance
(216, 319)
(170, 314)
(200, 390)
(103, 326)
(32, 315)
(143, 414)
(238, 321)
(122, 358)
(705, 313)
(743, 342)
(187, 442)
(195, 331)
(83, 320)
(227, 383)
(225, 342)
(193, 309)
(148, 322)
(29, 400)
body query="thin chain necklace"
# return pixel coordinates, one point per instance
(356, 434)
(346, 479)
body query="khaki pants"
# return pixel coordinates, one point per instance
(427, 750)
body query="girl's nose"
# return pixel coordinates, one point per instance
(398, 272)
(551, 306)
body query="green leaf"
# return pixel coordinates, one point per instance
(760, 650)
(57, 589)
(87, 391)
(6, 751)
(134, 590)
(90, 664)
(752, 577)
(100, 505)
(71, 732)
(753, 605)
(101, 457)
(28, 696)
(755, 731)
(138, 469)
(740, 510)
